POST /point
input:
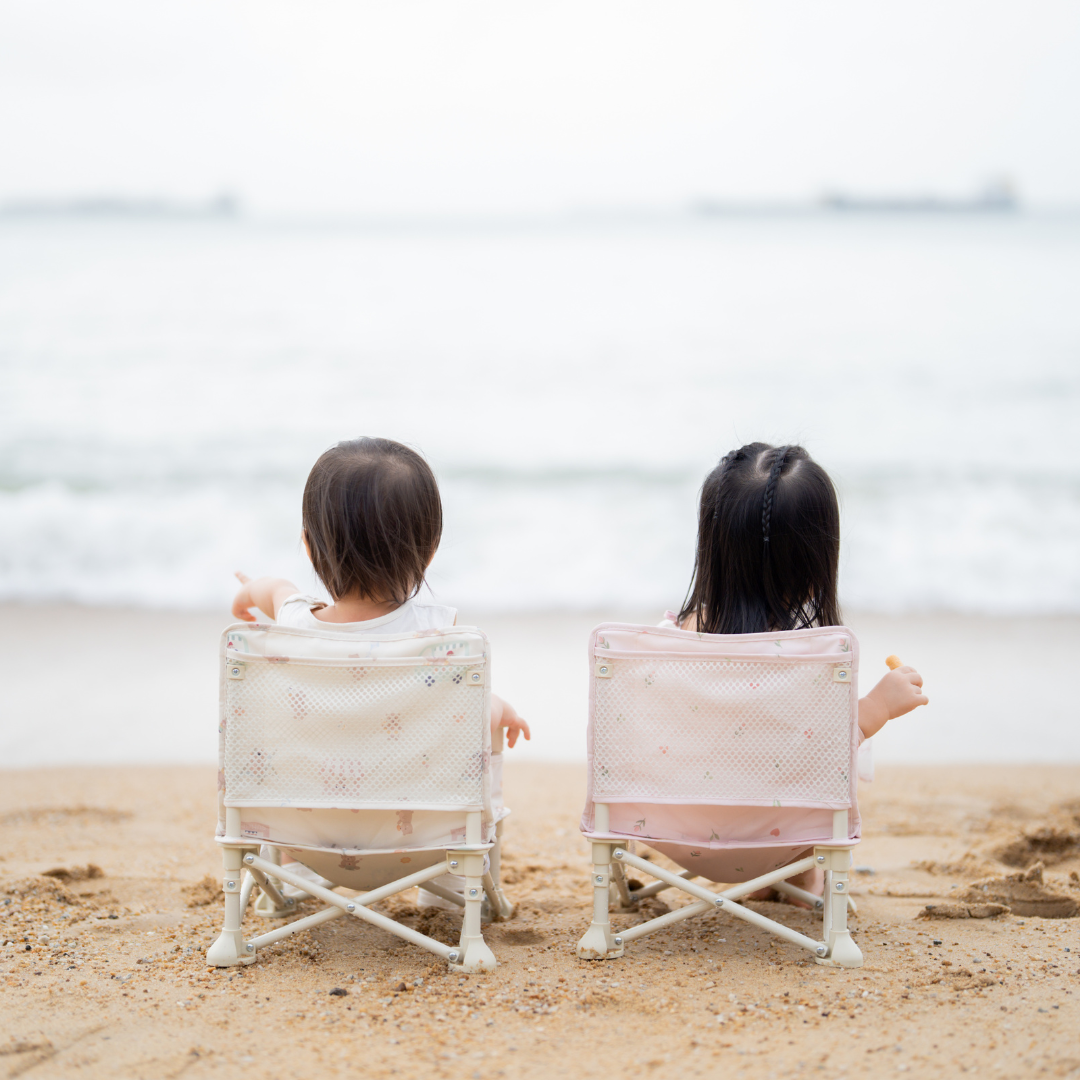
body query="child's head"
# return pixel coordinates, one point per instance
(372, 520)
(768, 544)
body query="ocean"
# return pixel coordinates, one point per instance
(166, 385)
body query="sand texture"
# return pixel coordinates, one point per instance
(103, 973)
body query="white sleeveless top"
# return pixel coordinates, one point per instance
(298, 611)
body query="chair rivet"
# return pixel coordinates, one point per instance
(250, 948)
(472, 892)
(719, 901)
(350, 907)
(821, 858)
(249, 859)
(819, 904)
(453, 864)
(289, 901)
(839, 886)
(821, 950)
(618, 941)
(618, 853)
(599, 879)
(230, 884)
(453, 956)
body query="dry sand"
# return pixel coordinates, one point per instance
(103, 975)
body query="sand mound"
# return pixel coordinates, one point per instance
(1025, 893)
(963, 911)
(203, 892)
(1048, 843)
(75, 873)
(40, 892)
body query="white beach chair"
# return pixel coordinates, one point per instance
(734, 756)
(369, 762)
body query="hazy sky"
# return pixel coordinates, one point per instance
(321, 106)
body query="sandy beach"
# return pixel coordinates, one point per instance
(103, 970)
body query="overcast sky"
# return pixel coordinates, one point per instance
(433, 106)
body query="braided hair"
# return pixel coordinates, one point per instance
(779, 460)
(768, 544)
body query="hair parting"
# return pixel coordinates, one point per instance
(768, 544)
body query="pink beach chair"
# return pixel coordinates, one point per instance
(367, 761)
(735, 757)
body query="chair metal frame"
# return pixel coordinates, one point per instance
(836, 949)
(249, 866)
(611, 855)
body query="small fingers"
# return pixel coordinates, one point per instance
(242, 577)
(525, 731)
(511, 737)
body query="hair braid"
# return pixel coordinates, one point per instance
(770, 490)
(725, 461)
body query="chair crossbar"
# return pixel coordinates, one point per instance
(359, 905)
(663, 921)
(657, 887)
(265, 882)
(718, 899)
(245, 891)
(307, 923)
(445, 894)
(734, 893)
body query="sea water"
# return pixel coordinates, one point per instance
(165, 387)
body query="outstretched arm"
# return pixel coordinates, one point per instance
(898, 693)
(504, 715)
(265, 593)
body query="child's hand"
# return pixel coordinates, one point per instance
(901, 691)
(896, 694)
(504, 715)
(243, 602)
(265, 593)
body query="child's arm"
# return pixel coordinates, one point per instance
(265, 593)
(898, 693)
(504, 715)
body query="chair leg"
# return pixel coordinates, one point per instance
(475, 953)
(230, 949)
(501, 907)
(266, 906)
(599, 943)
(843, 952)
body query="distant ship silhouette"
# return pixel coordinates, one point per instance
(998, 197)
(224, 205)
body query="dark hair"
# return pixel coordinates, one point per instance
(768, 544)
(372, 519)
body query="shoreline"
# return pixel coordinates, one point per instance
(107, 685)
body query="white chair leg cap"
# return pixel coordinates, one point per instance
(229, 950)
(598, 944)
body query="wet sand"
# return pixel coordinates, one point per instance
(105, 685)
(103, 974)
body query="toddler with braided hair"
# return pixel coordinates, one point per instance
(767, 557)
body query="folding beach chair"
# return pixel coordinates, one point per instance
(734, 756)
(369, 762)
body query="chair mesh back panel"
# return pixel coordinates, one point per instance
(704, 727)
(330, 733)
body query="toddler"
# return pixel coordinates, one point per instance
(372, 521)
(767, 556)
